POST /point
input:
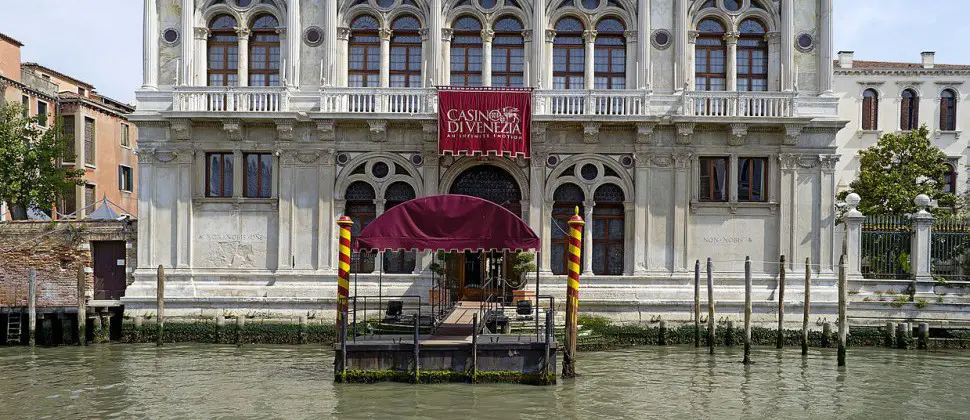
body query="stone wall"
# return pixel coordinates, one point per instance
(56, 251)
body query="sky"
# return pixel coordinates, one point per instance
(100, 41)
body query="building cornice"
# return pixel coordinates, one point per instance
(10, 82)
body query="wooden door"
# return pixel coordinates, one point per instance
(109, 269)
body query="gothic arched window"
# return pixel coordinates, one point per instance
(568, 55)
(870, 109)
(752, 57)
(364, 65)
(950, 179)
(610, 55)
(608, 230)
(466, 52)
(508, 53)
(361, 209)
(223, 52)
(710, 70)
(948, 110)
(405, 68)
(264, 52)
(398, 262)
(909, 111)
(565, 200)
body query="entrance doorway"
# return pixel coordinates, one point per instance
(109, 269)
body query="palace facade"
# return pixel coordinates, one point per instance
(682, 129)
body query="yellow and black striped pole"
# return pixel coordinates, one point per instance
(572, 293)
(343, 270)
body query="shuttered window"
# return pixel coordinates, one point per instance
(89, 146)
(870, 110)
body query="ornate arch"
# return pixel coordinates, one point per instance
(406, 10)
(206, 15)
(463, 11)
(573, 12)
(244, 16)
(345, 177)
(629, 19)
(466, 162)
(349, 12)
(557, 176)
(717, 14)
(761, 16)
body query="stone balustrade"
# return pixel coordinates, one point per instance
(230, 99)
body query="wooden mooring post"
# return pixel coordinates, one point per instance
(747, 310)
(697, 303)
(710, 305)
(576, 224)
(843, 319)
(890, 335)
(32, 306)
(924, 336)
(780, 338)
(160, 305)
(808, 304)
(82, 310)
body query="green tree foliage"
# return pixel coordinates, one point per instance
(897, 169)
(30, 157)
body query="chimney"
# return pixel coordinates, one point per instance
(929, 59)
(845, 59)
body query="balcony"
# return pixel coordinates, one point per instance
(230, 99)
(619, 103)
(739, 104)
(378, 100)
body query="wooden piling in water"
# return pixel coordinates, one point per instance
(240, 325)
(697, 303)
(901, 339)
(729, 334)
(826, 334)
(808, 304)
(662, 333)
(710, 305)
(32, 306)
(160, 305)
(890, 335)
(924, 336)
(220, 325)
(843, 314)
(780, 339)
(747, 310)
(82, 310)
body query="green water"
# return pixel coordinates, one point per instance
(209, 381)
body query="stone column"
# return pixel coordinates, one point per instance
(487, 36)
(295, 31)
(732, 60)
(588, 237)
(920, 247)
(643, 45)
(385, 35)
(690, 80)
(150, 63)
(433, 72)
(379, 205)
(537, 188)
(343, 45)
(853, 237)
(284, 71)
(680, 42)
(446, 35)
(188, 24)
(827, 253)
(530, 51)
(547, 70)
(634, 77)
(641, 191)
(590, 73)
(682, 161)
(538, 57)
(325, 208)
(629, 217)
(201, 59)
(788, 210)
(330, 42)
(787, 44)
(825, 47)
(775, 79)
(243, 34)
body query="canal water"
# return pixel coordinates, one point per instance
(208, 381)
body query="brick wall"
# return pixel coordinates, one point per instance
(56, 251)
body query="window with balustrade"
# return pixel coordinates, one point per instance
(568, 55)
(752, 60)
(264, 52)
(223, 52)
(362, 210)
(870, 109)
(405, 57)
(610, 55)
(909, 110)
(948, 110)
(565, 201)
(508, 53)
(364, 61)
(608, 230)
(466, 52)
(398, 262)
(710, 51)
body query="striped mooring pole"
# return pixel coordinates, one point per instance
(343, 271)
(576, 224)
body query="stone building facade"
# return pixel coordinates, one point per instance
(683, 129)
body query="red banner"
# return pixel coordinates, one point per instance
(484, 121)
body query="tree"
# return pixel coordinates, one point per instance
(31, 173)
(897, 169)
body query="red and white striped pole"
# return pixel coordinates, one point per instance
(576, 224)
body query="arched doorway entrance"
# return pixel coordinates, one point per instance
(469, 270)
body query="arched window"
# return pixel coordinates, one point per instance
(565, 200)
(264, 52)
(398, 262)
(608, 230)
(870, 109)
(361, 209)
(610, 55)
(223, 52)
(948, 110)
(568, 55)
(364, 66)
(950, 179)
(466, 52)
(752, 57)
(710, 71)
(909, 111)
(406, 52)
(508, 53)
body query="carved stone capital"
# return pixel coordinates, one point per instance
(645, 132)
(631, 36)
(589, 36)
(284, 130)
(181, 129)
(447, 34)
(378, 130)
(343, 33)
(539, 132)
(591, 132)
(788, 161)
(692, 37)
(233, 129)
(385, 34)
(773, 37)
(430, 131)
(828, 162)
(527, 35)
(424, 33)
(739, 134)
(488, 35)
(682, 159)
(201, 33)
(550, 35)
(685, 132)
(281, 31)
(792, 132)
(731, 37)
(327, 130)
(538, 158)
(656, 160)
(430, 157)
(243, 32)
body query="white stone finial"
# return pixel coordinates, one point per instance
(852, 203)
(922, 202)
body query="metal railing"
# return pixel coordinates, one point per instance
(739, 104)
(950, 248)
(230, 99)
(886, 246)
(364, 323)
(378, 100)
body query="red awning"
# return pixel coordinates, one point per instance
(447, 223)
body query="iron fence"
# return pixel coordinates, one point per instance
(886, 243)
(949, 248)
